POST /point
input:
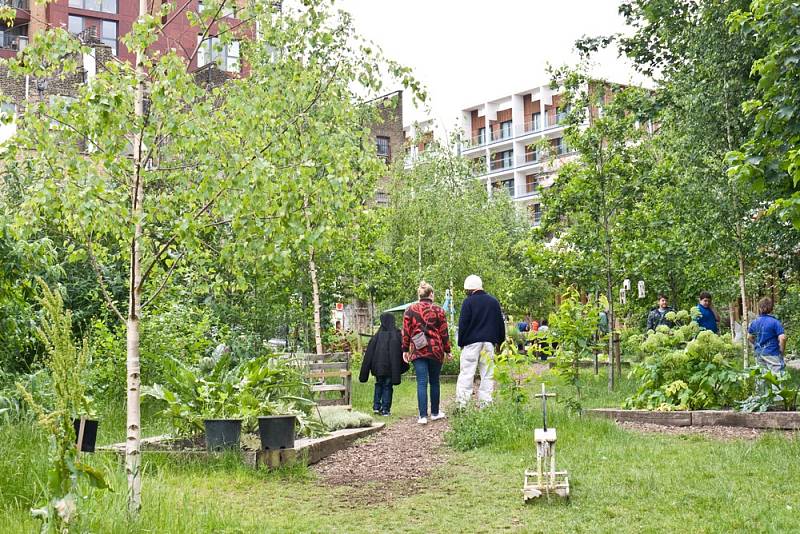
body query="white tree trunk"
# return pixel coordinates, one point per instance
(134, 417)
(743, 290)
(312, 269)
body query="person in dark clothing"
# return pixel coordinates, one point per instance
(480, 328)
(658, 315)
(384, 359)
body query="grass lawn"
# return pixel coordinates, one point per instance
(621, 482)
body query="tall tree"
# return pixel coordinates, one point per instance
(607, 129)
(770, 158)
(146, 160)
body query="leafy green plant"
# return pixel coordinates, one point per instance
(513, 372)
(770, 389)
(688, 375)
(267, 385)
(67, 363)
(573, 332)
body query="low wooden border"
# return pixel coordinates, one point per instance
(307, 450)
(765, 420)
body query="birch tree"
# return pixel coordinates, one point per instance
(146, 162)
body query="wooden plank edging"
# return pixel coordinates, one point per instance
(765, 420)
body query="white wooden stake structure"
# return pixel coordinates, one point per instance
(545, 480)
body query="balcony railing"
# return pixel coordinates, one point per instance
(501, 164)
(16, 4)
(555, 119)
(501, 134)
(13, 41)
(475, 141)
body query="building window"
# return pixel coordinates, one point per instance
(75, 24)
(505, 129)
(106, 29)
(559, 146)
(384, 150)
(109, 35)
(106, 6)
(481, 135)
(531, 183)
(536, 213)
(226, 56)
(536, 122)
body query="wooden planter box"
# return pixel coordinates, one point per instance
(766, 420)
(307, 450)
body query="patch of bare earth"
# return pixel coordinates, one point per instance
(396, 459)
(714, 432)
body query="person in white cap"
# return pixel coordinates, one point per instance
(480, 328)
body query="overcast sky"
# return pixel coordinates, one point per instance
(470, 51)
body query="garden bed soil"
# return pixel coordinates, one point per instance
(724, 433)
(308, 450)
(703, 418)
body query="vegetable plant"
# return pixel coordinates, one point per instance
(67, 364)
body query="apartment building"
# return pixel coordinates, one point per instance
(111, 19)
(517, 143)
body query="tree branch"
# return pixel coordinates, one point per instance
(101, 280)
(164, 281)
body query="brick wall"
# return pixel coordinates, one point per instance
(17, 87)
(390, 108)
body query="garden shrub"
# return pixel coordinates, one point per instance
(266, 385)
(681, 373)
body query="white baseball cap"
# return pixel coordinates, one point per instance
(473, 282)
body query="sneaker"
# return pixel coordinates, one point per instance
(385, 414)
(422, 420)
(376, 412)
(439, 415)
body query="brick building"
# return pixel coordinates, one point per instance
(112, 19)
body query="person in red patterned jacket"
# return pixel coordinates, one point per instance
(426, 344)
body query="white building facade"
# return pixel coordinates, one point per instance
(517, 143)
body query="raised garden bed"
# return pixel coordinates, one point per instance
(765, 420)
(307, 450)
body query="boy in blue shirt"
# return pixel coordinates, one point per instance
(768, 338)
(709, 317)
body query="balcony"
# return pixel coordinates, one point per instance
(16, 4)
(501, 164)
(13, 41)
(501, 134)
(475, 141)
(553, 120)
(528, 188)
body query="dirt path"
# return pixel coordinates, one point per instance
(404, 451)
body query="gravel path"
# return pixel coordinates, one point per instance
(404, 451)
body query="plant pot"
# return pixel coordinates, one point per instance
(276, 431)
(86, 441)
(222, 434)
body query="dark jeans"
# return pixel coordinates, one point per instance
(427, 370)
(382, 400)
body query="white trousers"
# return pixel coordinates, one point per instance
(471, 358)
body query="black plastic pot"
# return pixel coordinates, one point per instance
(89, 434)
(222, 434)
(276, 431)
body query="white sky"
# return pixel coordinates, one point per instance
(471, 51)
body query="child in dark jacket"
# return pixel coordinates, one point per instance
(384, 359)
